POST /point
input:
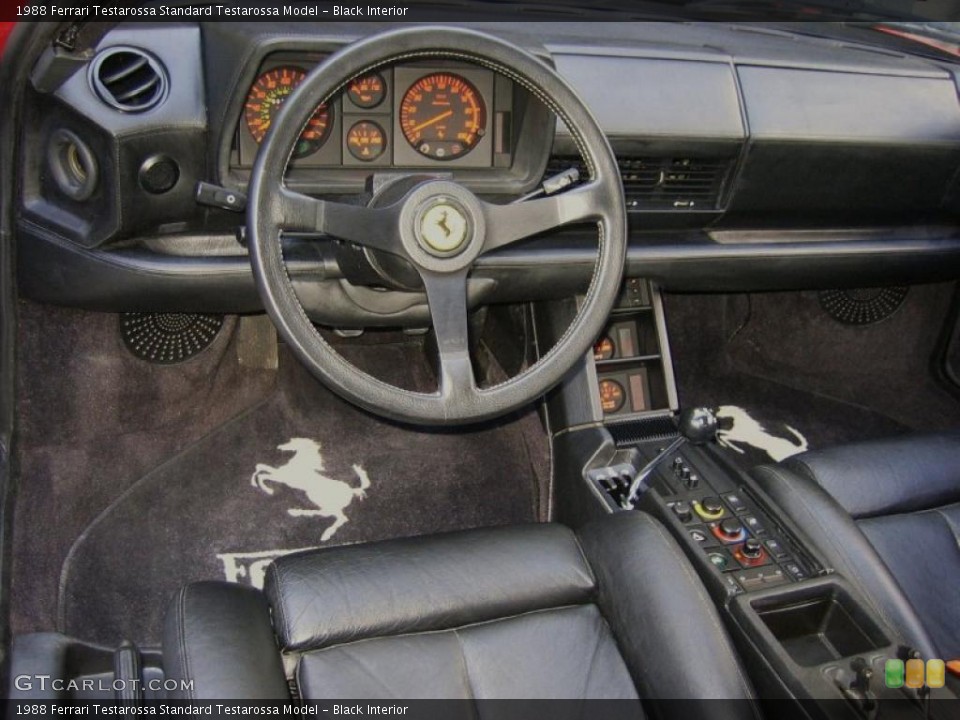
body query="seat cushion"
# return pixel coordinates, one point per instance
(885, 515)
(490, 660)
(535, 611)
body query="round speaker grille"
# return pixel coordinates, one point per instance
(168, 338)
(863, 306)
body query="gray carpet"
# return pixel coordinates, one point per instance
(784, 360)
(181, 506)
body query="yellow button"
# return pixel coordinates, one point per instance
(936, 673)
(706, 514)
(914, 674)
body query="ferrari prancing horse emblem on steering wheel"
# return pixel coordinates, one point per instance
(443, 227)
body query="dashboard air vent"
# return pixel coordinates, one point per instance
(129, 79)
(663, 183)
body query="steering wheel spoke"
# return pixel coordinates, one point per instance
(447, 298)
(375, 228)
(507, 224)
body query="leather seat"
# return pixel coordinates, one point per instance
(886, 514)
(532, 611)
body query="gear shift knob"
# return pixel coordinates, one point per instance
(698, 425)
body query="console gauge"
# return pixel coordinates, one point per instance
(442, 116)
(264, 100)
(366, 141)
(603, 349)
(612, 396)
(367, 91)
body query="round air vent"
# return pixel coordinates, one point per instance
(128, 79)
(863, 306)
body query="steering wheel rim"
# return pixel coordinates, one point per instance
(273, 208)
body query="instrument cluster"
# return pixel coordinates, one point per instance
(405, 116)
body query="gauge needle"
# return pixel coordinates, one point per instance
(431, 121)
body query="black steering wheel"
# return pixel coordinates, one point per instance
(407, 227)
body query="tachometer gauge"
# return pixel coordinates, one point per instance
(368, 91)
(264, 101)
(442, 116)
(612, 396)
(366, 141)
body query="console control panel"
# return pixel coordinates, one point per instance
(747, 549)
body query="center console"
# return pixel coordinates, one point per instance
(805, 633)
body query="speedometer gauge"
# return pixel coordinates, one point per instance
(442, 116)
(263, 103)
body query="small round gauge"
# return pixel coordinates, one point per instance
(603, 349)
(366, 141)
(612, 396)
(367, 91)
(264, 100)
(443, 116)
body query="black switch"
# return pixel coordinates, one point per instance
(711, 505)
(731, 527)
(215, 196)
(683, 511)
(755, 527)
(776, 549)
(751, 548)
(735, 503)
(796, 571)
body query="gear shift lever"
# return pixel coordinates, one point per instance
(697, 426)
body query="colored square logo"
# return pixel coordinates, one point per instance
(936, 673)
(915, 673)
(894, 674)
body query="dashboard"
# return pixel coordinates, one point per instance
(751, 158)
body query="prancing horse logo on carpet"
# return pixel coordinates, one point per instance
(737, 427)
(304, 472)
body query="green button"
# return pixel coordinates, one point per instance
(719, 560)
(894, 673)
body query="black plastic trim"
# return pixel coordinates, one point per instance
(57, 271)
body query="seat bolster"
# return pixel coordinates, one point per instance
(835, 534)
(667, 627)
(916, 472)
(218, 635)
(418, 584)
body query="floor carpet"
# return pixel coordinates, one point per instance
(108, 527)
(781, 358)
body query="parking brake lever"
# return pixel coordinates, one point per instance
(697, 426)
